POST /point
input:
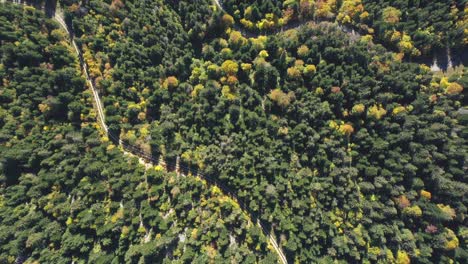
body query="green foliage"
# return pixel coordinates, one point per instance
(334, 161)
(424, 27)
(275, 147)
(429, 26)
(68, 195)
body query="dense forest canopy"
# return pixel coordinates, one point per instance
(346, 152)
(68, 194)
(412, 27)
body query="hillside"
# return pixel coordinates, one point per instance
(67, 194)
(414, 28)
(343, 150)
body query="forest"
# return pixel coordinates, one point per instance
(413, 28)
(68, 194)
(346, 152)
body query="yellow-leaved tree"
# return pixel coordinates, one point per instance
(230, 67)
(349, 10)
(376, 111)
(325, 9)
(227, 20)
(281, 98)
(171, 82)
(391, 15)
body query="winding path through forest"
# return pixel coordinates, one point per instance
(440, 60)
(292, 25)
(253, 34)
(143, 158)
